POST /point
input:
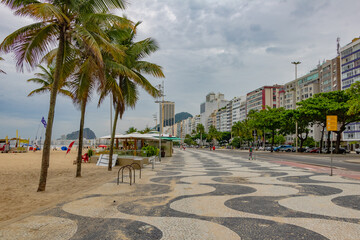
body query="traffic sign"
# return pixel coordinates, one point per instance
(331, 123)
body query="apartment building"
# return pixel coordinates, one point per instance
(263, 96)
(221, 120)
(213, 102)
(350, 73)
(212, 119)
(238, 109)
(300, 89)
(330, 75)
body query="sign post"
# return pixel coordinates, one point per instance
(331, 125)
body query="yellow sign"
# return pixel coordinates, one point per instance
(331, 123)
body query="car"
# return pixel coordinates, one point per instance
(343, 150)
(267, 148)
(314, 150)
(299, 149)
(283, 148)
(357, 150)
(309, 149)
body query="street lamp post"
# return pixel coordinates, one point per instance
(296, 124)
(161, 101)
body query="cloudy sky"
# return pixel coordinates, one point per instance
(228, 46)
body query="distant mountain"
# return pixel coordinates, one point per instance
(88, 134)
(182, 116)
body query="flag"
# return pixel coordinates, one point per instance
(43, 121)
(70, 146)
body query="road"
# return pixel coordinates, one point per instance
(349, 162)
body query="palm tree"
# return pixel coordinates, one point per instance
(131, 130)
(1, 71)
(133, 77)
(213, 134)
(46, 79)
(57, 22)
(200, 129)
(89, 73)
(83, 84)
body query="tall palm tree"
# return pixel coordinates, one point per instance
(200, 129)
(57, 22)
(46, 79)
(128, 83)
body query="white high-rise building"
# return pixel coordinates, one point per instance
(238, 109)
(213, 102)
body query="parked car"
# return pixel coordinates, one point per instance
(267, 148)
(299, 149)
(357, 150)
(283, 148)
(309, 149)
(343, 150)
(314, 150)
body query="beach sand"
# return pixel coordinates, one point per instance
(19, 179)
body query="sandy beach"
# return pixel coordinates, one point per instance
(19, 178)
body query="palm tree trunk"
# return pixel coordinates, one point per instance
(50, 121)
(113, 137)
(81, 137)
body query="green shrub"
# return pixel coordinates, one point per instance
(90, 152)
(149, 151)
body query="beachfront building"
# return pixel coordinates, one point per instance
(329, 75)
(238, 109)
(263, 96)
(228, 116)
(221, 120)
(212, 119)
(167, 113)
(350, 73)
(302, 88)
(212, 103)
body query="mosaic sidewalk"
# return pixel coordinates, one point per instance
(206, 195)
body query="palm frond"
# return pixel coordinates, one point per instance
(121, 69)
(148, 87)
(82, 34)
(39, 90)
(39, 81)
(18, 36)
(15, 4)
(149, 68)
(43, 11)
(143, 48)
(100, 6)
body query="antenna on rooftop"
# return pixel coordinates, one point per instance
(338, 45)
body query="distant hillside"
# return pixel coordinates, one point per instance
(88, 134)
(182, 116)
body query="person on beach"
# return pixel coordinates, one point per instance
(214, 148)
(250, 153)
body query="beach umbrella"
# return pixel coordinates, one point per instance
(102, 146)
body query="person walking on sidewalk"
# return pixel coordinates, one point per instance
(250, 153)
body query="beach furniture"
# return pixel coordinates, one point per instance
(104, 160)
(85, 158)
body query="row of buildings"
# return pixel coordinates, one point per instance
(335, 74)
